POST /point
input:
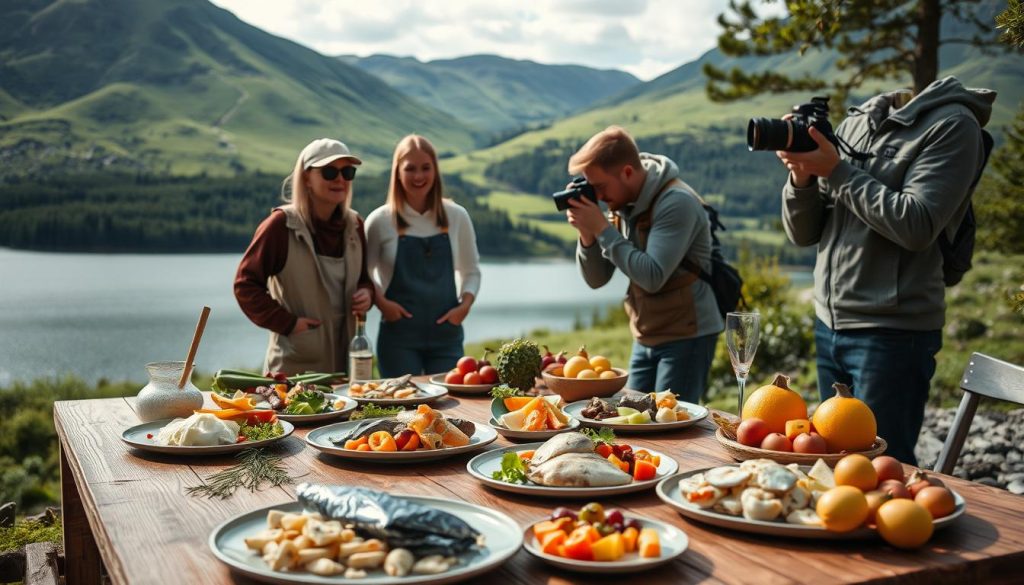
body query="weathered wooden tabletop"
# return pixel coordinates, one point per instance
(127, 511)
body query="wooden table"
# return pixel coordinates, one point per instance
(127, 511)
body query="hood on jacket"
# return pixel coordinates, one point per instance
(660, 170)
(940, 92)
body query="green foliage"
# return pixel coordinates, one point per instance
(518, 363)
(23, 533)
(1011, 21)
(874, 40)
(999, 199)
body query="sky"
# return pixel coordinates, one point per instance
(644, 37)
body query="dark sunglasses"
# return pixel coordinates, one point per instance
(330, 173)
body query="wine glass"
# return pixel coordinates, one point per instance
(742, 333)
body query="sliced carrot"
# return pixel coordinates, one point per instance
(363, 447)
(541, 529)
(525, 454)
(552, 541)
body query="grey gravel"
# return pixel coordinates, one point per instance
(993, 453)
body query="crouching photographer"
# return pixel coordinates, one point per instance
(883, 209)
(661, 239)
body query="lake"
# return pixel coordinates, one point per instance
(107, 315)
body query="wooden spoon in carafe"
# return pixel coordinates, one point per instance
(187, 372)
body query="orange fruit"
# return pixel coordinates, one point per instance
(775, 404)
(904, 523)
(608, 374)
(587, 374)
(842, 508)
(574, 365)
(856, 470)
(846, 423)
(599, 361)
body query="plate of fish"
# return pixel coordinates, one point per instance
(392, 392)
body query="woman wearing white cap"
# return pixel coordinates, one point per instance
(304, 274)
(420, 247)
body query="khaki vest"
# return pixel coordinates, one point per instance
(669, 313)
(300, 289)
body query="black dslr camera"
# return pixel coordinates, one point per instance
(791, 135)
(579, 188)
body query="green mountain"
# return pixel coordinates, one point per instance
(496, 94)
(183, 87)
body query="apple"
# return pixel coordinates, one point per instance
(488, 375)
(454, 377)
(777, 442)
(809, 443)
(472, 378)
(466, 364)
(896, 488)
(751, 432)
(888, 468)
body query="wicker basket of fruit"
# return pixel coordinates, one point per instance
(775, 426)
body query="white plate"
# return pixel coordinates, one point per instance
(461, 388)
(668, 491)
(137, 437)
(502, 534)
(350, 405)
(697, 414)
(428, 393)
(320, 439)
(674, 542)
(484, 464)
(532, 435)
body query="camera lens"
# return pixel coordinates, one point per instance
(769, 134)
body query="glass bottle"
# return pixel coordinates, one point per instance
(162, 399)
(360, 354)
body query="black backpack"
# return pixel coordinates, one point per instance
(956, 254)
(725, 281)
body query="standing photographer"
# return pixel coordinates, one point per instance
(876, 216)
(672, 312)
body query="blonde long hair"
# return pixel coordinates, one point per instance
(295, 191)
(396, 193)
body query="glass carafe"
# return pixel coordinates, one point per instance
(162, 399)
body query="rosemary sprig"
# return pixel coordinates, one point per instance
(372, 410)
(255, 466)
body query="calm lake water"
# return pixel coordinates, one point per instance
(106, 316)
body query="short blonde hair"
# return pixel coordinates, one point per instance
(396, 193)
(609, 149)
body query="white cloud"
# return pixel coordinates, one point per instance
(645, 37)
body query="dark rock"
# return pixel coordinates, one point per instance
(986, 480)
(7, 513)
(994, 458)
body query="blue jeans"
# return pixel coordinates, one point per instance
(889, 369)
(681, 366)
(394, 361)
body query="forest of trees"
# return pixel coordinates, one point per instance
(106, 212)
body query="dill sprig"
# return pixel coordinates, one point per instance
(372, 410)
(255, 466)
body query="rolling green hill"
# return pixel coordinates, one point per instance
(497, 94)
(182, 87)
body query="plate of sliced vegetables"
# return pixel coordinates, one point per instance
(593, 539)
(637, 412)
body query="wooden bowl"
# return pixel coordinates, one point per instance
(572, 389)
(741, 452)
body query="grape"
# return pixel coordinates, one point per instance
(632, 523)
(604, 529)
(592, 513)
(614, 516)
(563, 512)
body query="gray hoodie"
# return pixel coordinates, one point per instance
(680, 227)
(876, 222)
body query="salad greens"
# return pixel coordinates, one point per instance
(513, 470)
(605, 435)
(261, 431)
(505, 391)
(307, 402)
(374, 411)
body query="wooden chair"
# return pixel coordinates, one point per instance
(983, 376)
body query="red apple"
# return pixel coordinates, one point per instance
(896, 488)
(488, 375)
(454, 377)
(467, 364)
(777, 442)
(472, 378)
(888, 468)
(751, 432)
(809, 443)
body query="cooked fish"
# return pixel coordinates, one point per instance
(466, 426)
(562, 444)
(578, 470)
(368, 427)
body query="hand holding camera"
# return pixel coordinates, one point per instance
(579, 201)
(804, 166)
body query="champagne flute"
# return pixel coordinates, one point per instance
(742, 334)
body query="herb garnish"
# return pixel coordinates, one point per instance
(255, 466)
(604, 435)
(504, 391)
(372, 410)
(260, 431)
(513, 470)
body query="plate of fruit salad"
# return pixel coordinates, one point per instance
(593, 539)
(638, 412)
(469, 376)
(857, 500)
(574, 465)
(531, 418)
(415, 435)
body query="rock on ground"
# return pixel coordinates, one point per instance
(993, 453)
